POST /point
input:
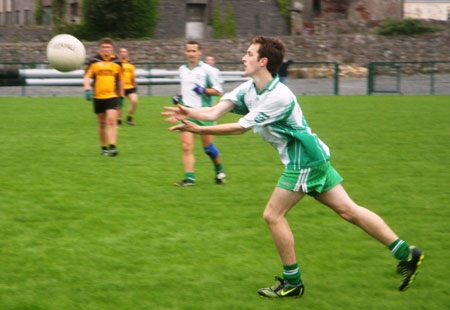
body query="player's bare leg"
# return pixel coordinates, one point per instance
(187, 144)
(275, 212)
(133, 97)
(214, 154)
(341, 203)
(101, 119)
(410, 257)
(279, 204)
(111, 130)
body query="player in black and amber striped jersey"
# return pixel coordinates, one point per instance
(130, 85)
(103, 82)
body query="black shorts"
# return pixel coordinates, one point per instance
(130, 91)
(101, 105)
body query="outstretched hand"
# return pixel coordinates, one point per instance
(186, 126)
(178, 113)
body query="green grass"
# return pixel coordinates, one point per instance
(81, 231)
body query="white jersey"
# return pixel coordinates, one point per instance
(217, 74)
(203, 75)
(275, 114)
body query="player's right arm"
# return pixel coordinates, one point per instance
(87, 84)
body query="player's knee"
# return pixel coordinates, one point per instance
(187, 147)
(270, 217)
(348, 213)
(211, 151)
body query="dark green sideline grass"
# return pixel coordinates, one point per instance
(80, 231)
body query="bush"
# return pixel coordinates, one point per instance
(221, 28)
(408, 26)
(117, 19)
(285, 6)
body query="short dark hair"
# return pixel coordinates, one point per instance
(273, 49)
(194, 42)
(106, 40)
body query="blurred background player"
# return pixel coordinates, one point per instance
(103, 82)
(283, 71)
(210, 60)
(130, 85)
(198, 84)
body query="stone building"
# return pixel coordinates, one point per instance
(21, 12)
(193, 18)
(432, 9)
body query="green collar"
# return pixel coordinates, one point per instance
(270, 86)
(197, 65)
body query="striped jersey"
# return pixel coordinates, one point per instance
(274, 113)
(203, 75)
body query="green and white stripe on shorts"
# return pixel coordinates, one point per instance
(312, 180)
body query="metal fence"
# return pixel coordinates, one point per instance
(409, 77)
(156, 78)
(305, 78)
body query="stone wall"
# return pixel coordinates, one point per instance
(345, 49)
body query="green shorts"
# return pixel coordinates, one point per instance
(312, 181)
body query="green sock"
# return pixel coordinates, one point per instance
(218, 168)
(291, 273)
(190, 176)
(400, 249)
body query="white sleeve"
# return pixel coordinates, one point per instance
(274, 109)
(237, 96)
(214, 79)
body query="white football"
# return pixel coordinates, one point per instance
(65, 53)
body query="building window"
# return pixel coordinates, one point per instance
(317, 6)
(17, 21)
(8, 20)
(47, 15)
(27, 17)
(73, 17)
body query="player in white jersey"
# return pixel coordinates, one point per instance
(210, 60)
(271, 109)
(198, 84)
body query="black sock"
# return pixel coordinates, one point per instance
(112, 146)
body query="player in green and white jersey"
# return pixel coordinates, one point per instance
(199, 84)
(271, 110)
(210, 60)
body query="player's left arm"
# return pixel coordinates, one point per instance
(133, 80)
(212, 92)
(215, 86)
(221, 129)
(181, 113)
(121, 83)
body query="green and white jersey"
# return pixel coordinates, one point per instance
(203, 75)
(275, 114)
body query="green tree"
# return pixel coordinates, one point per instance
(118, 19)
(285, 6)
(230, 24)
(221, 28)
(59, 12)
(217, 24)
(38, 12)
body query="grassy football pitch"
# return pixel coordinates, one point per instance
(82, 231)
